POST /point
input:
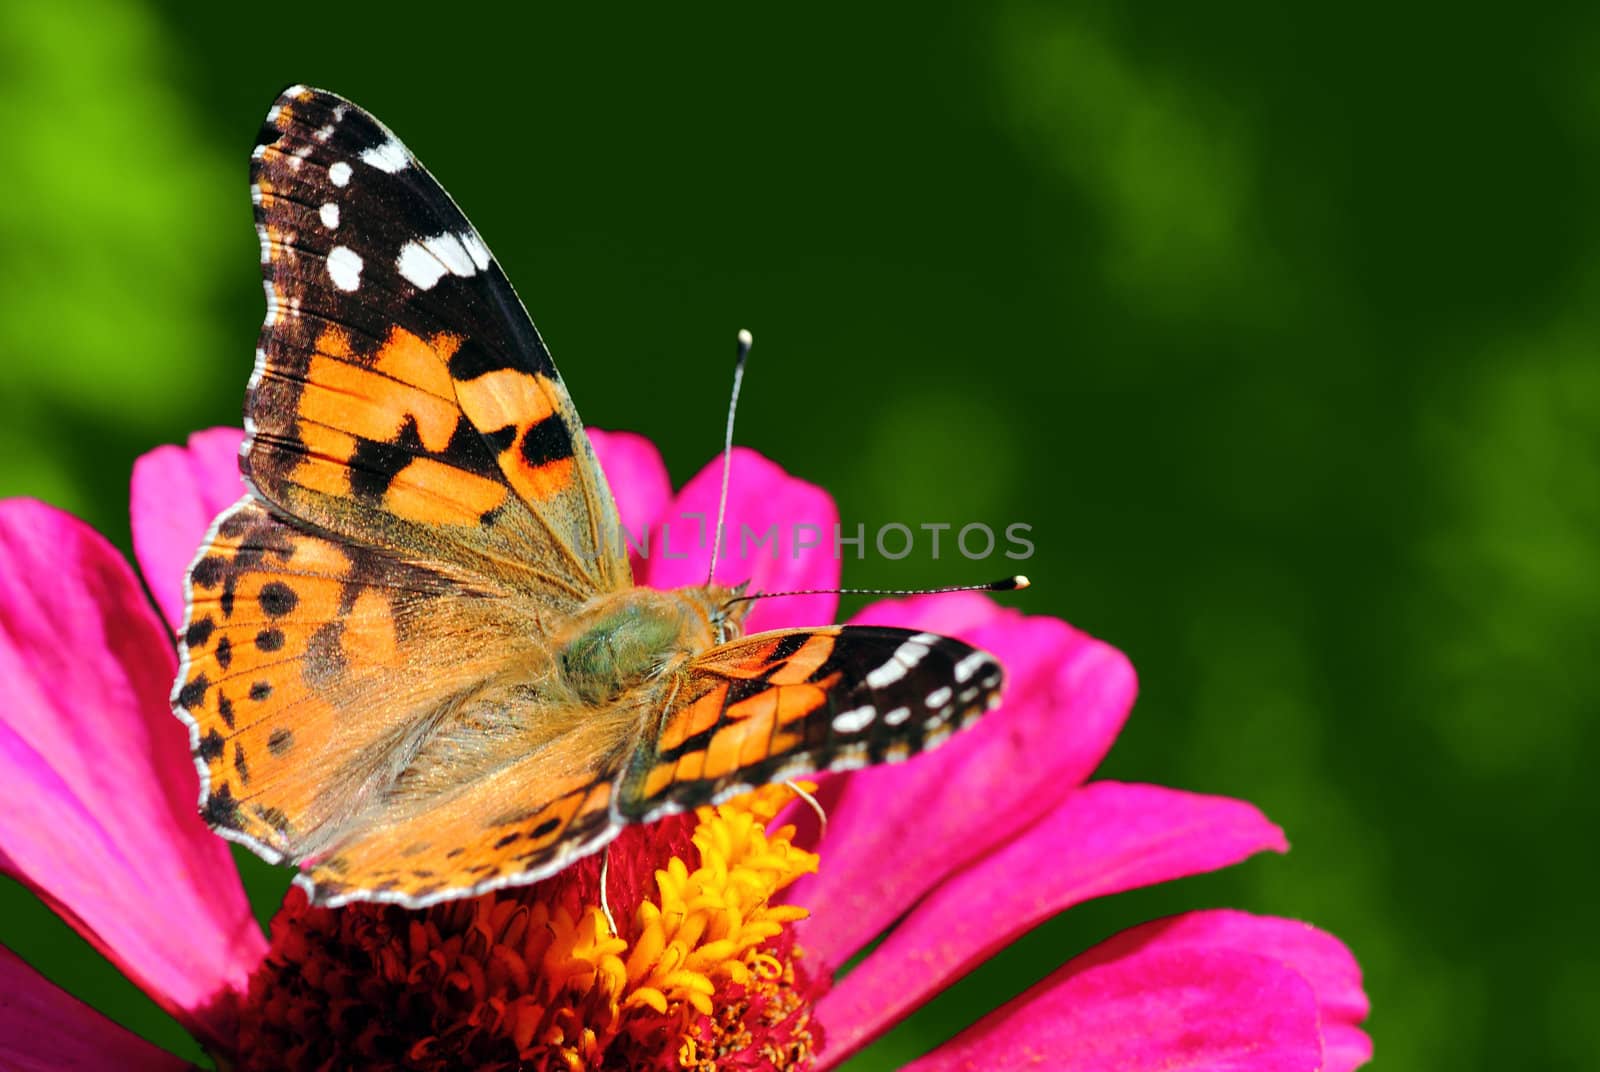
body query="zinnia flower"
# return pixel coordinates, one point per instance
(730, 922)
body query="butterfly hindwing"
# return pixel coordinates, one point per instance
(525, 822)
(402, 397)
(312, 670)
(779, 704)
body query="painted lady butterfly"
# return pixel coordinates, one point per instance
(414, 662)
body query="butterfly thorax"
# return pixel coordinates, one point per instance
(623, 640)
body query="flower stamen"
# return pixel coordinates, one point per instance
(690, 966)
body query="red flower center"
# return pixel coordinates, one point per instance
(703, 973)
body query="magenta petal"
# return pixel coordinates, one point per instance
(896, 832)
(45, 1029)
(1344, 1048)
(97, 788)
(175, 495)
(1320, 958)
(1172, 1010)
(778, 536)
(1105, 838)
(639, 484)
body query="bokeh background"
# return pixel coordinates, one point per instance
(1277, 322)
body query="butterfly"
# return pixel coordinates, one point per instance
(413, 662)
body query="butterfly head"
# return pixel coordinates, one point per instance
(724, 608)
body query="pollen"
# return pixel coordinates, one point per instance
(701, 974)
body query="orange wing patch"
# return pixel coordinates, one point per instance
(303, 660)
(538, 452)
(740, 715)
(805, 662)
(777, 705)
(506, 398)
(349, 412)
(373, 402)
(486, 836)
(694, 718)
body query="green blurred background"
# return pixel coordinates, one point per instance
(1279, 327)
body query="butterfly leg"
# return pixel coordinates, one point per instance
(816, 805)
(605, 875)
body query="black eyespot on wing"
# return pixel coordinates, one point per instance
(277, 599)
(547, 441)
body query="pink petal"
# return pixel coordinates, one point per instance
(175, 495)
(1203, 1010)
(1344, 1048)
(1320, 958)
(1105, 838)
(45, 1029)
(97, 788)
(763, 502)
(639, 484)
(895, 832)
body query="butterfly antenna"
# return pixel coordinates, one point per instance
(1004, 584)
(605, 875)
(745, 341)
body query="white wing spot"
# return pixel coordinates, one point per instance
(850, 757)
(339, 173)
(418, 267)
(389, 157)
(854, 721)
(971, 665)
(330, 215)
(344, 267)
(887, 674)
(476, 250)
(795, 765)
(423, 263)
(938, 697)
(905, 657)
(451, 253)
(897, 716)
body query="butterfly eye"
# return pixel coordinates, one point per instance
(725, 626)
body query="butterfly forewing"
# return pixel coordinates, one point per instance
(780, 704)
(402, 397)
